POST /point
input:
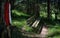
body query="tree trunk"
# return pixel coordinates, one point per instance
(12, 4)
(57, 9)
(48, 9)
(36, 8)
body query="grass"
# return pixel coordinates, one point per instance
(54, 31)
(19, 13)
(19, 20)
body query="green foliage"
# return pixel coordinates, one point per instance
(54, 31)
(19, 20)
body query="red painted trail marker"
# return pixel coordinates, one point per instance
(7, 15)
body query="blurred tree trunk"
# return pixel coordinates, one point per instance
(27, 7)
(0, 11)
(33, 7)
(59, 5)
(57, 9)
(12, 3)
(1, 17)
(36, 10)
(48, 9)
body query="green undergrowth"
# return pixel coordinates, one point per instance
(54, 31)
(19, 20)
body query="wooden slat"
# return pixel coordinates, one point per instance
(35, 24)
(31, 20)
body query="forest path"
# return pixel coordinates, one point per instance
(44, 32)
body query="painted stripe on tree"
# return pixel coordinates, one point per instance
(7, 13)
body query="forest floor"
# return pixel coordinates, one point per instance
(19, 20)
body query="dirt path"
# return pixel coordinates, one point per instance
(44, 32)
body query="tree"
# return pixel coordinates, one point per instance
(48, 9)
(12, 3)
(33, 7)
(56, 13)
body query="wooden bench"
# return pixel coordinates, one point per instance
(31, 20)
